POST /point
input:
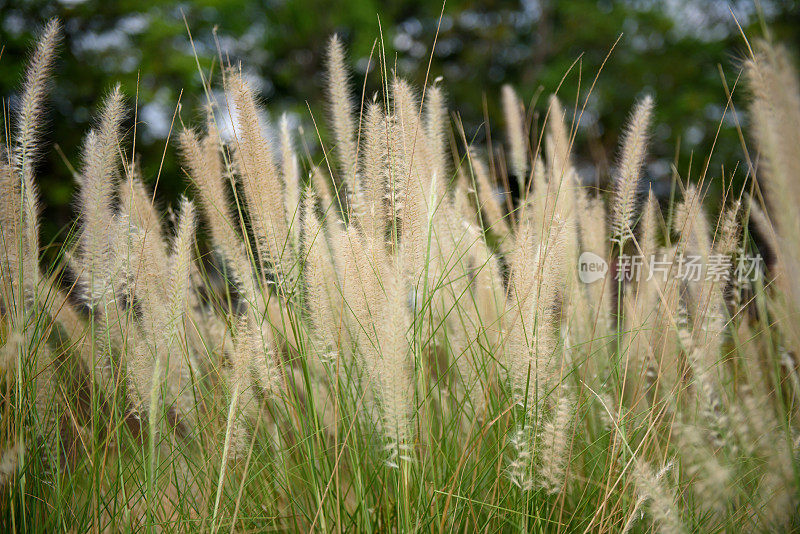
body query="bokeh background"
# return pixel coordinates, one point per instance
(677, 50)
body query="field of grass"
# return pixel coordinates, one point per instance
(375, 334)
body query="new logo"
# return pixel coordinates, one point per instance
(591, 267)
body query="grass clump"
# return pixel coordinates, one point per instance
(386, 339)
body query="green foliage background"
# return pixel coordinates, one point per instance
(673, 50)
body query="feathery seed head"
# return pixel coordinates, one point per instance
(342, 110)
(515, 131)
(634, 145)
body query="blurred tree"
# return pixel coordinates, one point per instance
(669, 49)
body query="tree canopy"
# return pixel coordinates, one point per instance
(684, 53)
